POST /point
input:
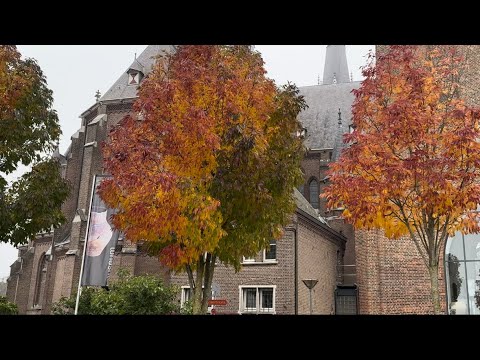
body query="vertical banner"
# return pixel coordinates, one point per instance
(100, 241)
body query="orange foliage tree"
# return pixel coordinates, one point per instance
(412, 165)
(207, 169)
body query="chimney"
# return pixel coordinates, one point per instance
(336, 66)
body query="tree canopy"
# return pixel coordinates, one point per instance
(207, 169)
(29, 132)
(412, 164)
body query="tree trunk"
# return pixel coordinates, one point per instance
(207, 291)
(433, 270)
(197, 291)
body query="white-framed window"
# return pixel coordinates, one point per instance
(187, 294)
(248, 259)
(270, 253)
(257, 299)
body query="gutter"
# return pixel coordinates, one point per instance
(327, 230)
(296, 268)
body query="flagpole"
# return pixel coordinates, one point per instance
(79, 290)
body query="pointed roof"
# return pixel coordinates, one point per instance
(60, 157)
(321, 117)
(306, 207)
(336, 67)
(121, 90)
(136, 65)
(325, 102)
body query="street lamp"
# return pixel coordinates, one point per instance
(310, 284)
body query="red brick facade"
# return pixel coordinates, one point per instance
(308, 250)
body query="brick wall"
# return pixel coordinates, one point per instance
(281, 274)
(314, 166)
(317, 259)
(58, 291)
(392, 277)
(23, 273)
(152, 266)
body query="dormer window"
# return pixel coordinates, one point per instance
(135, 73)
(133, 78)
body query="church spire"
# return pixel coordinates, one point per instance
(335, 65)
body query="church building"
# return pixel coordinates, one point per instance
(358, 272)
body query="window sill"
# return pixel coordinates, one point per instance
(256, 313)
(260, 263)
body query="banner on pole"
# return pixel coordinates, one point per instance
(100, 241)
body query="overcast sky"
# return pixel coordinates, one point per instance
(76, 72)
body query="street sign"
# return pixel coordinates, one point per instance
(217, 302)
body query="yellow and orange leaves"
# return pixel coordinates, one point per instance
(415, 146)
(200, 160)
(15, 80)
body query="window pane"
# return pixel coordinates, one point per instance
(472, 246)
(186, 292)
(346, 305)
(250, 299)
(457, 288)
(266, 296)
(271, 253)
(455, 247)
(473, 282)
(314, 193)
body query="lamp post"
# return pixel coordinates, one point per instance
(310, 284)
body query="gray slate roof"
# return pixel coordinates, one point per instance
(321, 117)
(121, 90)
(136, 65)
(305, 206)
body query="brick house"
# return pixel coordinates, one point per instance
(271, 282)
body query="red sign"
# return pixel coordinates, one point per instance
(217, 302)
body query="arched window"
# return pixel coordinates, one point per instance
(462, 270)
(41, 279)
(313, 187)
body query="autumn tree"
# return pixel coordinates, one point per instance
(29, 132)
(207, 170)
(412, 165)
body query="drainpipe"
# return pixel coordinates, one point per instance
(296, 268)
(445, 279)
